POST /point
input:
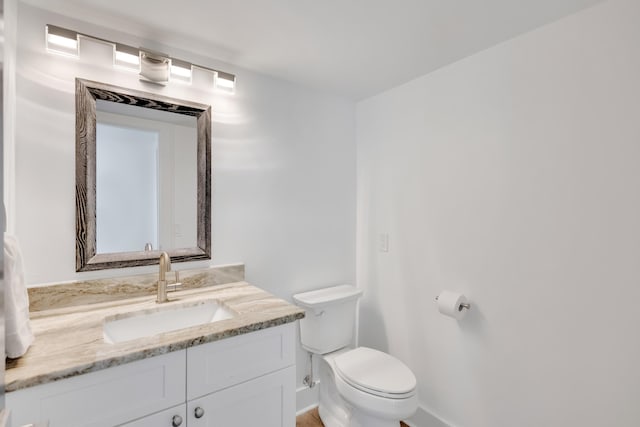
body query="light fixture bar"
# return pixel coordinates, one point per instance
(61, 41)
(64, 41)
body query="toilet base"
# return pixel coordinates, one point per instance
(332, 419)
(354, 418)
(360, 419)
(333, 410)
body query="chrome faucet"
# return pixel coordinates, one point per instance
(165, 266)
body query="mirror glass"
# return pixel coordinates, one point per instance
(146, 179)
(143, 177)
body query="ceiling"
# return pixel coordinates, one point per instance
(353, 48)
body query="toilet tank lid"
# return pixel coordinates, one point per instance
(324, 296)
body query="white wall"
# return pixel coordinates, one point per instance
(283, 166)
(512, 176)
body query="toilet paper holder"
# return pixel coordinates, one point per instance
(463, 305)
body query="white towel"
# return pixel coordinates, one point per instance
(18, 335)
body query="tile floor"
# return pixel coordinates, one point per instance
(312, 419)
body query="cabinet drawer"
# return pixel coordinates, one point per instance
(104, 398)
(220, 364)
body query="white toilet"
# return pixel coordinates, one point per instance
(359, 387)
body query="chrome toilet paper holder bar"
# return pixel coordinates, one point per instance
(463, 305)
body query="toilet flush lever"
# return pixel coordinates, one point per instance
(318, 313)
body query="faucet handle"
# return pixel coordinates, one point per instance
(177, 285)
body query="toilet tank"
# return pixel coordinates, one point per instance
(330, 317)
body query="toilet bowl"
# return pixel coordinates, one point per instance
(359, 387)
(374, 389)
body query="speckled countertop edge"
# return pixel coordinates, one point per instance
(69, 341)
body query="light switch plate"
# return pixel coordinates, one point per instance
(383, 242)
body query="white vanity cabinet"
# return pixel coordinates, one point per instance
(246, 380)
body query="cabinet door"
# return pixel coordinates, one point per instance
(220, 364)
(104, 398)
(172, 417)
(267, 401)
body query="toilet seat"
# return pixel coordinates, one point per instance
(377, 373)
(386, 408)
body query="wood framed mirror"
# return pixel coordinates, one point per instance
(143, 177)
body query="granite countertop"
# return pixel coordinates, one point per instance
(69, 341)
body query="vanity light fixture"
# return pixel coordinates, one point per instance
(180, 71)
(61, 41)
(225, 81)
(126, 57)
(153, 67)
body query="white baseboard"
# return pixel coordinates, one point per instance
(306, 398)
(424, 418)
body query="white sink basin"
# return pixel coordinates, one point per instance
(147, 323)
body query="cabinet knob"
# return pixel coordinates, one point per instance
(176, 421)
(198, 412)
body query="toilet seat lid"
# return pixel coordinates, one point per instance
(376, 371)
